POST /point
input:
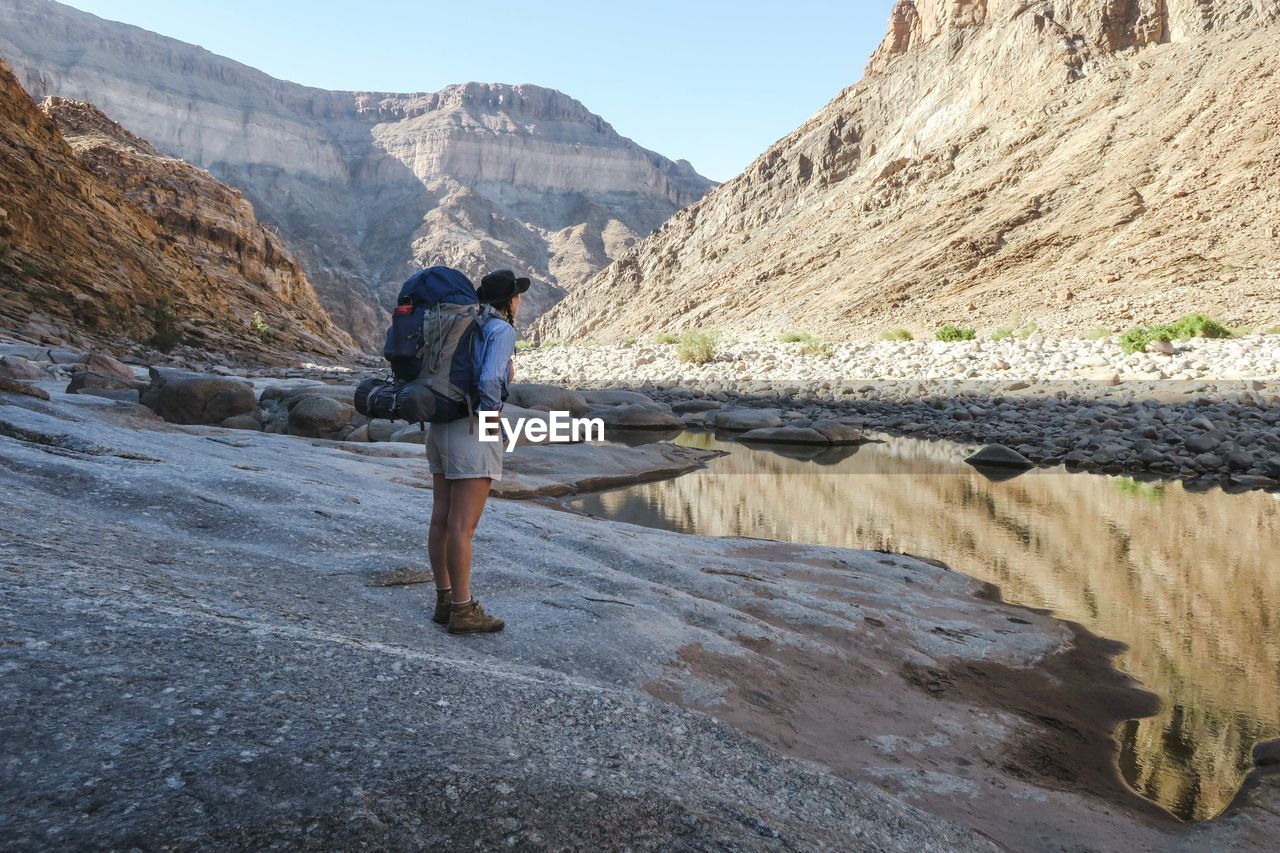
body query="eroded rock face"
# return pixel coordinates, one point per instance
(368, 187)
(1072, 163)
(88, 251)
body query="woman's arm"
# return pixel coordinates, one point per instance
(498, 345)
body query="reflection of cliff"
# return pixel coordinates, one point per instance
(1187, 580)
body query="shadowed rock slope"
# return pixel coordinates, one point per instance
(1072, 163)
(367, 187)
(114, 240)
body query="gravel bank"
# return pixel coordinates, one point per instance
(1208, 414)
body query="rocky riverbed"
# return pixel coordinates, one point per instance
(1209, 413)
(224, 634)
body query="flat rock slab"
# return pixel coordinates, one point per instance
(554, 470)
(636, 416)
(785, 435)
(742, 420)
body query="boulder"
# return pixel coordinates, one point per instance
(636, 416)
(103, 365)
(410, 434)
(999, 456)
(550, 398)
(248, 422)
(86, 381)
(322, 417)
(20, 369)
(838, 433)
(381, 430)
(618, 398)
(741, 420)
(785, 435)
(65, 356)
(183, 397)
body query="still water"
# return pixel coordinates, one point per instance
(1190, 581)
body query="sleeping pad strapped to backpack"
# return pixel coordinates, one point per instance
(429, 346)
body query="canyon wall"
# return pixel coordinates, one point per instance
(1074, 163)
(367, 187)
(109, 239)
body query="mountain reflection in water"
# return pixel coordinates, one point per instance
(1188, 580)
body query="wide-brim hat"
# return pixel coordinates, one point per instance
(499, 286)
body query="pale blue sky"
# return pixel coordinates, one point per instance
(713, 81)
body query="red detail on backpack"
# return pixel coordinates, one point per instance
(402, 310)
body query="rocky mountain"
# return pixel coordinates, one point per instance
(1072, 163)
(111, 239)
(366, 187)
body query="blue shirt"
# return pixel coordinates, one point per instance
(493, 347)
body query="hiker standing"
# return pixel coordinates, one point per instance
(463, 467)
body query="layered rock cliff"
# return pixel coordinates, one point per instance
(366, 187)
(115, 240)
(1070, 163)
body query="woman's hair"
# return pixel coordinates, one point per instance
(506, 311)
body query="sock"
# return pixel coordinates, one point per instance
(460, 603)
(446, 589)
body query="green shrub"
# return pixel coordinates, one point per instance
(1274, 330)
(1025, 331)
(548, 344)
(258, 325)
(1187, 326)
(523, 345)
(796, 338)
(629, 342)
(1097, 333)
(666, 338)
(821, 349)
(951, 334)
(1197, 325)
(696, 348)
(1002, 333)
(897, 335)
(166, 332)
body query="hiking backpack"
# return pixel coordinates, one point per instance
(429, 347)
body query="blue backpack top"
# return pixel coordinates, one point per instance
(430, 339)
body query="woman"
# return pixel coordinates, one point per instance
(463, 467)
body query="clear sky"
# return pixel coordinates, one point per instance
(712, 81)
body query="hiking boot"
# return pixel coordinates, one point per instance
(444, 603)
(470, 618)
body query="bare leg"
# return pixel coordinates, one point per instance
(438, 536)
(466, 502)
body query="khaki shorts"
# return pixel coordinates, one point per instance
(456, 451)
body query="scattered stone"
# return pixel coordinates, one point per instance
(999, 456)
